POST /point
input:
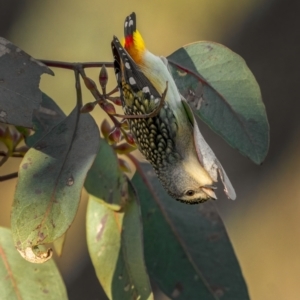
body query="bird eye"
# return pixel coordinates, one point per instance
(190, 193)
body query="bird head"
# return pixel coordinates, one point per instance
(184, 186)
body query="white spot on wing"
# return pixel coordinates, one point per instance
(132, 80)
(126, 23)
(130, 23)
(127, 65)
(146, 89)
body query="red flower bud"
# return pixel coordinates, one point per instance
(15, 135)
(115, 135)
(88, 107)
(89, 83)
(129, 139)
(105, 128)
(103, 77)
(124, 148)
(115, 100)
(108, 108)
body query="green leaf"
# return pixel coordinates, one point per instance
(20, 279)
(187, 249)
(19, 85)
(116, 249)
(51, 177)
(105, 181)
(45, 119)
(225, 95)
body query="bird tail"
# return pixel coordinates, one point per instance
(133, 42)
(130, 25)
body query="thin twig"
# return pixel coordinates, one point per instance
(4, 159)
(78, 88)
(91, 86)
(3, 153)
(116, 89)
(73, 66)
(134, 161)
(9, 176)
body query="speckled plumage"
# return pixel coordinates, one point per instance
(154, 136)
(167, 139)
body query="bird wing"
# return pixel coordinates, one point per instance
(207, 157)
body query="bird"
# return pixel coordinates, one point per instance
(169, 139)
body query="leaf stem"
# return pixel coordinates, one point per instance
(78, 87)
(136, 163)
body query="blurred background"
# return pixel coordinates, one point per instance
(264, 222)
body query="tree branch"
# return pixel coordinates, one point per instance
(73, 66)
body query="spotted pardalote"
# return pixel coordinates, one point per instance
(170, 140)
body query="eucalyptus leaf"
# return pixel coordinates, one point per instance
(44, 119)
(19, 85)
(105, 180)
(225, 95)
(20, 279)
(187, 250)
(116, 248)
(51, 177)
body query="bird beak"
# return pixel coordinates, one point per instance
(208, 189)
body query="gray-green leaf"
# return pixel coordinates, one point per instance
(116, 248)
(19, 85)
(51, 177)
(44, 119)
(105, 181)
(224, 94)
(187, 250)
(20, 279)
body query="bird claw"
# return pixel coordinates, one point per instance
(150, 115)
